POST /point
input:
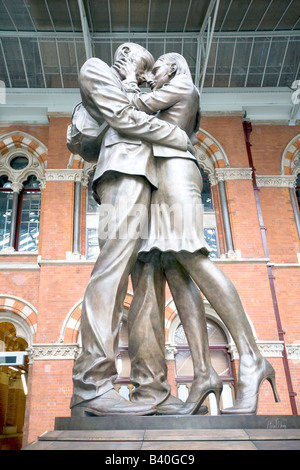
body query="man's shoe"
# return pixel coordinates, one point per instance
(110, 403)
(170, 404)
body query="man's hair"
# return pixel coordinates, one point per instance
(139, 50)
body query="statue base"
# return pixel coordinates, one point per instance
(172, 433)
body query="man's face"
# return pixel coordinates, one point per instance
(161, 74)
(130, 63)
(142, 71)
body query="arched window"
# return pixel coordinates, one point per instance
(123, 385)
(92, 211)
(6, 202)
(221, 362)
(210, 223)
(28, 220)
(13, 384)
(298, 190)
(20, 199)
(19, 212)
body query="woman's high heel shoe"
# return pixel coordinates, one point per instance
(199, 391)
(248, 392)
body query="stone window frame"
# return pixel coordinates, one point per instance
(18, 145)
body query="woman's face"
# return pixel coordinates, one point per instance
(161, 74)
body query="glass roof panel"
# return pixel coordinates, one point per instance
(59, 14)
(235, 15)
(178, 15)
(196, 14)
(6, 22)
(3, 67)
(158, 16)
(69, 63)
(32, 62)
(49, 53)
(120, 16)
(40, 15)
(240, 62)
(104, 49)
(291, 16)
(278, 14)
(52, 15)
(223, 63)
(139, 10)
(98, 13)
(291, 63)
(42, 43)
(12, 51)
(262, 15)
(16, 15)
(254, 14)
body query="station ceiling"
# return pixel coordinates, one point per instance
(227, 43)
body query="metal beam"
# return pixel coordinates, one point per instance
(211, 21)
(178, 35)
(202, 51)
(294, 112)
(85, 30)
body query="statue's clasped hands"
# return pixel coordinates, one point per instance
(127, 69)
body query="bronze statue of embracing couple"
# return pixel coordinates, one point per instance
(148, 184)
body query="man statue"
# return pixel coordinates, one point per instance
(124, 177)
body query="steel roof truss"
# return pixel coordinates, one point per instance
(85, 30)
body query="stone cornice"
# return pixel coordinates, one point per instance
(53, 351)
(267, 349)
(276, 181)
(263, 181)
(76, 175)
(225, 174)
(293, 351)
(70, 351)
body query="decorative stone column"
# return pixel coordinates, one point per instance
(222, 175)
(16, 188)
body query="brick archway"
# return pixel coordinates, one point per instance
(207, 143)
(21, 140)
(212, 149)
(71, 326)
(24, 310)
(290, 159)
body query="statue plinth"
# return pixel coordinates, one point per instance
(178, 422)
(174, 434)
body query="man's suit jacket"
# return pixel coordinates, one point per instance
(177, 102)
(126, 146)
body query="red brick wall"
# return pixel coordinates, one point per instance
(58, 153)
(49, 394)
(61, 287)
(243, 219)
(228, 131)
(56, 288)
(57, 223)
(268, 144)
(282, 236)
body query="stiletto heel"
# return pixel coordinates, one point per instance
(201, 387)
(218, 399)
(271, 380)
(199, 392)
(247, 397)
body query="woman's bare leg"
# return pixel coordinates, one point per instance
(223, 296)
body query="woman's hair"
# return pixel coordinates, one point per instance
(139, 50)
(179, 60)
